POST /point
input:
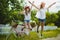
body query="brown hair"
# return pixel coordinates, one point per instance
(27, 7)
(41, 5)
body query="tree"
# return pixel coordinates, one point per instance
(58, 20)
(7, 8)
(51, 18)
(47, 17)
(54, 17)
(33, 13)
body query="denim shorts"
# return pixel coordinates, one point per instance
(42, 20)
(26, 20)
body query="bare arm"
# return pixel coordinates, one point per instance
(33, 5)
(51, 4)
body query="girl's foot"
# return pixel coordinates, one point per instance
(40, 35)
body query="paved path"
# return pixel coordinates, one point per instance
(54, 38)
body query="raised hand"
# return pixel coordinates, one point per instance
(51, 4)
(33, 5)
(29, 1)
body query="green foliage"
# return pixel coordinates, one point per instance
(47, 17)
(51, 18)
(33, 13)
(33, 18)
(16, 16)
(33, 24)
(9, 10)
(54, 17)
(53, 33)
(4, 11)
(57, 22)
(50, 24)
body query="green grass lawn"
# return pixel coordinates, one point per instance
(33, 35)
(52, 33)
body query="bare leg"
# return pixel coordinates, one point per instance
(38, 27)
(28, 25)
(42, 27)
(25, 25)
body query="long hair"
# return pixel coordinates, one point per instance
(41, 5)
(27, 7)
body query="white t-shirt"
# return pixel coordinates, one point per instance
(28, 16)
(41, 14)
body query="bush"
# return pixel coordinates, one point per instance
(33, 24)
(50, 24)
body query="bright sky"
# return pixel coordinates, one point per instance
(54, 8)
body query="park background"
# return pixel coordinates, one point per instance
(10, 11)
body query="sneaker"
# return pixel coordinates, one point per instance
(42, 36)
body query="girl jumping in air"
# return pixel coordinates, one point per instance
(41, 15)
(27, 16)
